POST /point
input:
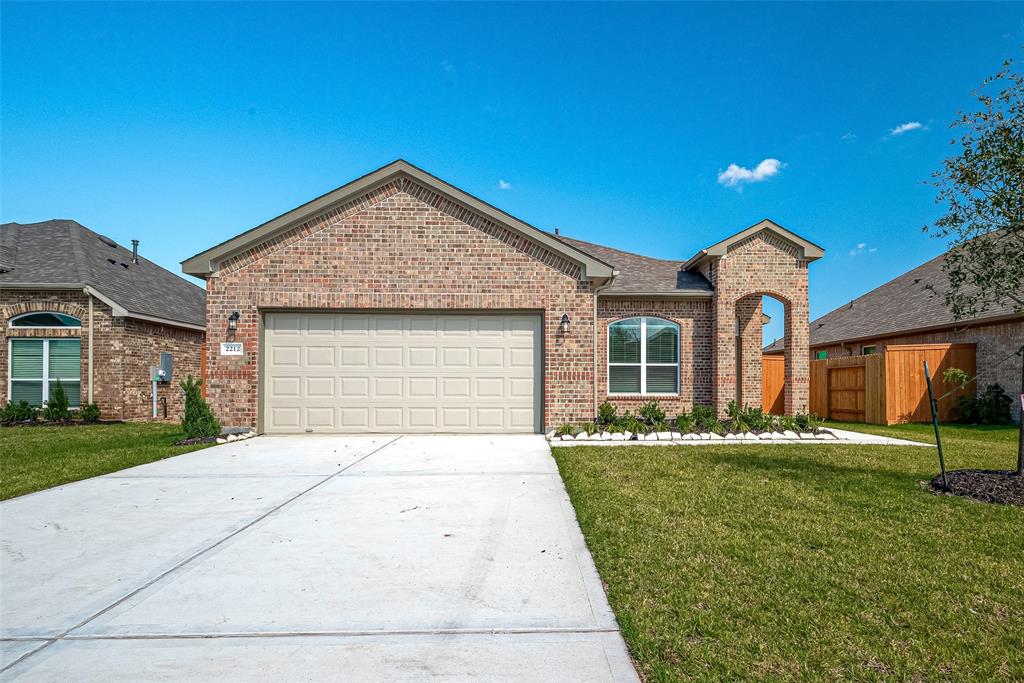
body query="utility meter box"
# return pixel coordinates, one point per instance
(163, 373)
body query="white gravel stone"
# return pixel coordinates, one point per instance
(606, 436)
(550, 435)
(691, 437)
(664, 436)
(731, 437)
(566, 437)
(714, 437)
(790, 434)
(618, 437)
(765, 436)
(676, 436)
(582, 436)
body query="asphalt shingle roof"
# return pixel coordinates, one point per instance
(901, 305)
(64, 252)
(642, 274)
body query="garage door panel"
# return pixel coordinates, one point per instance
(344, 372)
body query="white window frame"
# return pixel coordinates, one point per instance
(10, 323)
(643, 358)
(46, 366)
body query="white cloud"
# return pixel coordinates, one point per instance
(738, 175)
(504, 185)
(906, 128)
(862, 248)
(849, 137)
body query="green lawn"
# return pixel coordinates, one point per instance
(35, 458)
(817, 562)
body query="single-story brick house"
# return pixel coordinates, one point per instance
(910, 309)
(399, 303)
(77, 307)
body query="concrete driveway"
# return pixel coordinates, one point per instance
(312, 558)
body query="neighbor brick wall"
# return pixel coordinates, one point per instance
(695, 352)
(761, 264)
(995, 346)
(400, 247)
(123, 351)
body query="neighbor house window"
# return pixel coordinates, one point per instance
(643, 356)
(48, 320)
(37, 364)
(867, 350)
(822, 355)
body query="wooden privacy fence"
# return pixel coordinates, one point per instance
(889, 387)
(773, 383)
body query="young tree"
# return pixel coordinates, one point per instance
(982, 189)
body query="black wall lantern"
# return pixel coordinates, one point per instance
(233, 321)
(565, 323)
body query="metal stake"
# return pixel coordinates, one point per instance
(935, 423)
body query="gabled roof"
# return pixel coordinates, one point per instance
(63, 254)
(205, 263)
(810, 250)
(902, 305)
(638, 275)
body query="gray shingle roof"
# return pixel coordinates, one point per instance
(901, 305)
(643, 274)
(60, 252)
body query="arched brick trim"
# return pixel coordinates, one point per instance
(47, 307)
(420, 192)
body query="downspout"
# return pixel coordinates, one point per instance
(90, 347)
(597, 291)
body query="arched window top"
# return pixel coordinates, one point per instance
(45, 319)
(643, 356)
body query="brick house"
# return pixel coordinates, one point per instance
(77, 307)
(908, 310)
(401, 303)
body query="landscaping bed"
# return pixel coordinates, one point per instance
(988, 486)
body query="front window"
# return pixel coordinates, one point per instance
(37, 364)
(45, 320)
(643, 356)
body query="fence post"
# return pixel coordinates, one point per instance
(935, 423)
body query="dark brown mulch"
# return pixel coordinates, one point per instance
(62, 423)
(987, 486)
(198, 439)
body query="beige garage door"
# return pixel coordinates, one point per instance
(345, 372)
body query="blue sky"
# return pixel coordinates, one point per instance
(182, 125)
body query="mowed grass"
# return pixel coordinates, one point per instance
(817, 562)
(36, 458)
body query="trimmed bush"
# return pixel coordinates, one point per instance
(607, 414)
(684, 423)
(90, 413)
(14, 413)
(566, 430)
(704, 418)
(992, 407)
(198, 420)
(652, 414)
(56, 409)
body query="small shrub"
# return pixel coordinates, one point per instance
(991, 407)
(614, 428)
(715, 427)
(684, 423)
(786, 423)
(589, 427)
(14, 413)
(56, 409)
(651, 413)
(607, 414)
(90, 413)
(198, 420)
(733, 410)
(630, 423)
(807, 422)
(956, 377)
(703, 417)
(566, 430)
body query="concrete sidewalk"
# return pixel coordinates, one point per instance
(313, 558)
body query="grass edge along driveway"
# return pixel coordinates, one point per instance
(37, 458)
(809, 562)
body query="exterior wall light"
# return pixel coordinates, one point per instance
(233, 321)
(565, 323)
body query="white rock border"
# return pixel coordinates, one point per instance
(823, 435)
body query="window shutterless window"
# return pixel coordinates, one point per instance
(643, 357)
(37, 364)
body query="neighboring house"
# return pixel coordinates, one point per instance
(77, 307)
(911, 310)
(399, 303)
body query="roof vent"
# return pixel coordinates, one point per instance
(107, 241)
(111, 261)
(135, 251)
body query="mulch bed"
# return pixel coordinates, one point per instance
(988, 486)
(62, 423)
(198, 439)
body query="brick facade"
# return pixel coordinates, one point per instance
(404, 246)
(695, 352)
(762, 264)
(123, 351)
(995, 345)
(401, 247)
